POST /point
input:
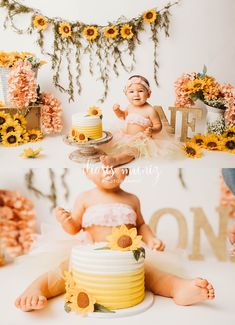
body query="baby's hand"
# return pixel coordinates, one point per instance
(62, 215)
(156, 245)
(148, 131)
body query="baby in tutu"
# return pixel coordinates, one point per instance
(95, 213)
(143, 134)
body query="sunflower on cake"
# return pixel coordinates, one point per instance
(86, 126)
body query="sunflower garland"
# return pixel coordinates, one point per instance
(108, 56)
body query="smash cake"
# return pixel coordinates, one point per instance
(87, 126)
(105, 277)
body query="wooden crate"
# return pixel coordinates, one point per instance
(31, 113)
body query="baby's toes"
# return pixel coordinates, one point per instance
(34, 301)
(211, 291)
(41, 301)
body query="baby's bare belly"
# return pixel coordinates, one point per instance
(134, 129)
(100, 233)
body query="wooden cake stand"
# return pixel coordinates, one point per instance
(88, 151)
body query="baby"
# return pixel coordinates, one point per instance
(95, 213)
(143, 135)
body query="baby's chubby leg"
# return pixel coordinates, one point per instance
(47, 286)
(184, 292)
(117, 160)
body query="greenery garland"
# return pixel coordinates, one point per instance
(52, 195)
(107, 46)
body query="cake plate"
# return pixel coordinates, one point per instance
(140, 308)
(88, 151)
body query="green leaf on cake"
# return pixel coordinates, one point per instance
(67, 307)
(101, 309)
(138, 253)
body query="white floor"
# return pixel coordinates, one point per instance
(14, 278)
(56, 152)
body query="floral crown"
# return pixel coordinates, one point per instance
(137, 80)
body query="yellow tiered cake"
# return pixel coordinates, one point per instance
(89, 127)
(115, 279)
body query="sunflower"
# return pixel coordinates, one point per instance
(4, 117)
(12, 126)
(82, 301)
(124, 239)
(35, 135)
(70, 286)
(6, 60)
(20, 119)
(228, 145)
(192, 150)
(81, 137)
(65, 29)
(150, 16)
(90, 33)
(24, 137)
(94, 111)
(126, 31)
(198, 139)
(31, 153)
(111, 32)
(211, 142)
(229, 133)
(40, 22)
(195, 86)
(11, 139)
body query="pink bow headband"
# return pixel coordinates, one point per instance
(137, 80)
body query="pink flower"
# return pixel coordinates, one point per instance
(51, 114)
(182, 98)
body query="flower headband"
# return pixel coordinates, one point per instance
(137, 80)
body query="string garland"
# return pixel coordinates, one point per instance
(109, 47)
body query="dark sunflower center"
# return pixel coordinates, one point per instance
(149, 15)
(111, 31)
(18, 120)
(124, 241)
(199, 141)
(211, 144)
(12, 139)
(90, 32)
(82, 137)
(127, 31)
(2, 120)
(230, 134)
(66, 29)
(10, 129)
(230, 144)
(82, 300)
(94, 112)
(32, 136)
(191, 151)
(41, 22)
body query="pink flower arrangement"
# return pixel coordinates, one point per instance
(17, 223)
(51, 113)
(182, 97)
(22, 87)
(228, 92)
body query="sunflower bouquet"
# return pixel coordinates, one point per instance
(13, 130)
(8, 59)
(200, 86)
(213, 142)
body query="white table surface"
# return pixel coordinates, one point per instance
(14, 278)
(56, 152)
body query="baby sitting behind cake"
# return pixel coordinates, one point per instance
(144, 134)
(95, 214)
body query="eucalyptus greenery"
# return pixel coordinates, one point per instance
(106, 54)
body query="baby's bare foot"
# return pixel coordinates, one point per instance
(31, 300)
(231, 233)
(189, 292)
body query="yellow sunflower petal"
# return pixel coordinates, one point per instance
(11, 139)
(90, 33)
(192, 150)
(150, 16)
(35, 135)
(82, 302)
(228, 144)
(111, 32)
(65, 29)
(126, 32)
(94, 111)
(40, 22)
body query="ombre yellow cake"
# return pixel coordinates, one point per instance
(87, 126)
(115, 279)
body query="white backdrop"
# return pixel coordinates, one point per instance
(201, 32)
(160, 189)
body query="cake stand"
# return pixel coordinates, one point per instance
(88, 151)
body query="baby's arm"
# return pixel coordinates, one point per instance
(71, 221)
(144, 230)
(119, 112)
(156, 121)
